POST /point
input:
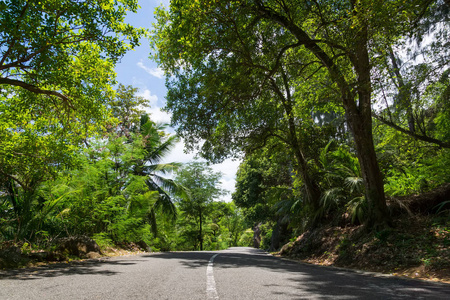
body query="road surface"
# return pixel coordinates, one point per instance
(236, 273)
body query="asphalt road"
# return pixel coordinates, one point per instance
(237, 273)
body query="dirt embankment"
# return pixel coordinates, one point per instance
(17, 255)
(417, 246)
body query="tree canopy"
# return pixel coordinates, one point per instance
(241, 69)
(57, 74)
(78, 154)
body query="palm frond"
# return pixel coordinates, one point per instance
(168, 186)
(354, 183)
(331, 198)
(162, 168)
(323, 157)
(155, 155)
(357, 208)
(283, 207)
(161, 126)
(167, 206)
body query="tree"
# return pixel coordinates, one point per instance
(202, 183)
(56, 73)
(54, 48)
(264, 184)
(58, 57)
(134, 123)
(262, 94)
(127, 108)
(412, 84)
(157, 144)
(340, 37)
(227, 224)
(235, 224)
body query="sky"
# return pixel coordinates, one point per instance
(136, 69)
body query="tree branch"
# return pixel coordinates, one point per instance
(35, 89)
(304, 39)
(412, 134)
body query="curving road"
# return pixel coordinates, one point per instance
(236, 273)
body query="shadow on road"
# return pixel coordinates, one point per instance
(314, 281)
(187, 259)
(254, 269)
(88, 267)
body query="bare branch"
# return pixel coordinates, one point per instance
(35, 89)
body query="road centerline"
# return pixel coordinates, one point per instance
(211, 291)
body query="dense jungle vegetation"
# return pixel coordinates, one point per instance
(78, 154)
(339, 110)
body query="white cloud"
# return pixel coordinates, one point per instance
(228, 168)
(158, 116)
(147, 94)
(178, 154)
(228, 186)
(154, 110)
(156, 72)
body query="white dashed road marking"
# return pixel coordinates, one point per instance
(211, 292)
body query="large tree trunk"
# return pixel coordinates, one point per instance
(361, 128)
(359, 118)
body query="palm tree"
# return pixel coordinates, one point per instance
(343, 183)
(157, 145)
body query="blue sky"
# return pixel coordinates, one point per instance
(136, 69)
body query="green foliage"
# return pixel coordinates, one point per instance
(341, 177)
(266, 235)
(106, 196)
(263, 180)
(410, 166)
(127, 108)
(57, 69)
(114, 193)
(103, 240)
(61, 48)
(222, 228)
(246, 239)
(202, 185)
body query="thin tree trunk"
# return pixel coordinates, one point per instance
(200, 234)
(312, 189)
(404, 94)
